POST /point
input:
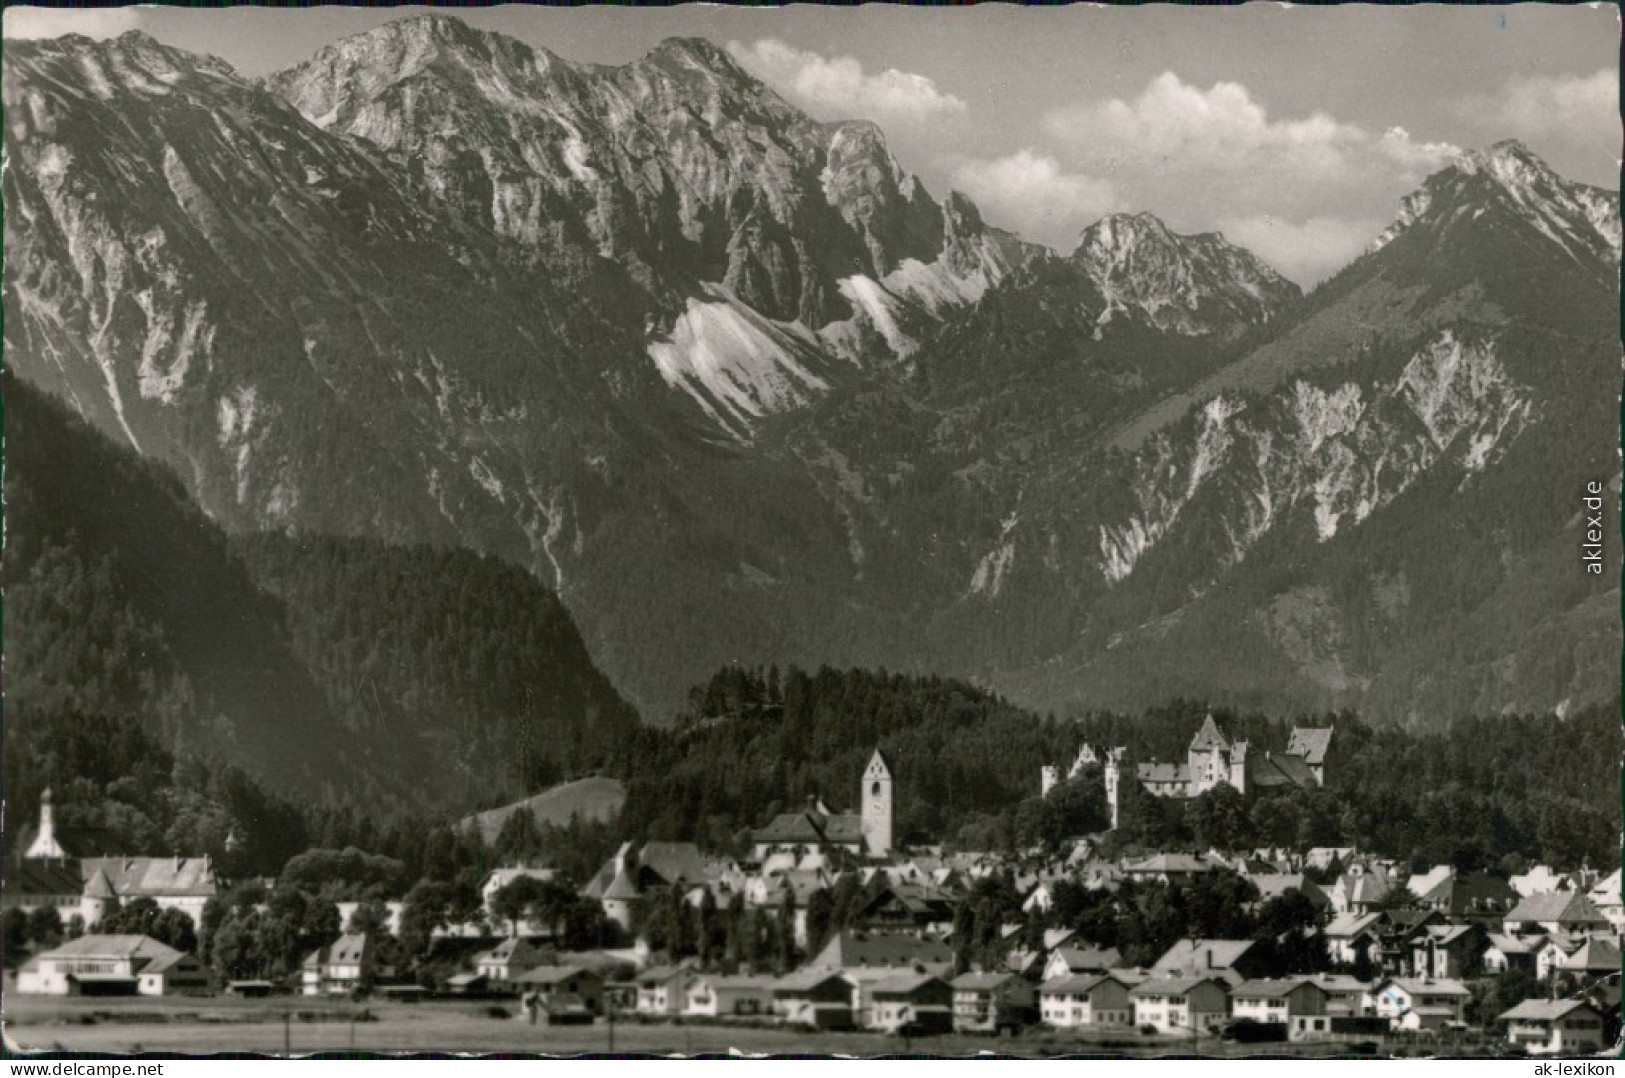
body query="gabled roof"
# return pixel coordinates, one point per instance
(1083, 983)
(1202, 956)
(1169, 862)
(40, 876)
(132, 877)
(1275, 884)
(1434, 986)
(1544, 1010)
(1155, 772)
(1475, 893)
(657, 975)
(1510, 945)
(1089, 959)
(1209, 736)
(1594, 956)
(1173, 986)
(803, 980)
(850, 949)
(674, 861)
(810, 828)
(904, 984)
(979, 981)
(1558, 906)
(1352, 924)
(117, 947)
(1444, 935)
(351, 947)
(1310, 742)
(1273, 987)
(1277, 770)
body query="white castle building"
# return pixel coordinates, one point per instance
(1212, 760)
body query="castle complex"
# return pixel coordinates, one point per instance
(1211, 761)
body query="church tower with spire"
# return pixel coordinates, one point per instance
(877, 807)
(45, 842)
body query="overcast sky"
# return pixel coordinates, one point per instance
(1295, 131)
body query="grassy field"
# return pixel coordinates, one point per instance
(207, 1026)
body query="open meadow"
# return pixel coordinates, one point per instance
(221, 1025)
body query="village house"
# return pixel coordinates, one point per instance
(1512, 952)
(1452, 950)
(98, 965)
(560, 988)
(984, 1002)
(1360, 890)
(663, 990)
(1345, 995)
(908, 906)
(1181, 1004)
(1477, 898)
(346, 966)
(1097, 999)
(911, 1003)
(1297, 1004)
(1075, 961)
(1587, 956)
(1420, 1003)
(1272, 885)
(1566, 912)
(1606, 896)
(1555, 1027)
(814, 998)
(503, 964)
(715, 996)
(1354, 937)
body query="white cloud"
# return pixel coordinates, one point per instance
(1030, 193)
(38, 22)
(1560, 114)
(1307, 251)
(838, 87)
(1218, 151)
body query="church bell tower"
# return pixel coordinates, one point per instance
(877, 807)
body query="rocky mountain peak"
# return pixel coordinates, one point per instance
(1508, 176)
(1194, 285)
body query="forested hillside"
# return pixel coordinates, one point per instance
(466, 664)
(340, 673)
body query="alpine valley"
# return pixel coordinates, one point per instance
(733, 385)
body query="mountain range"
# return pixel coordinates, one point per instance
(737, 387)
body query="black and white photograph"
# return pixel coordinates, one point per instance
(884, 531)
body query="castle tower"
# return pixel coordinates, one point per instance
(1207, 759)
(1238, 766)
(1048, 778)
(877, 806)
(98, 901)
(45, 843)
